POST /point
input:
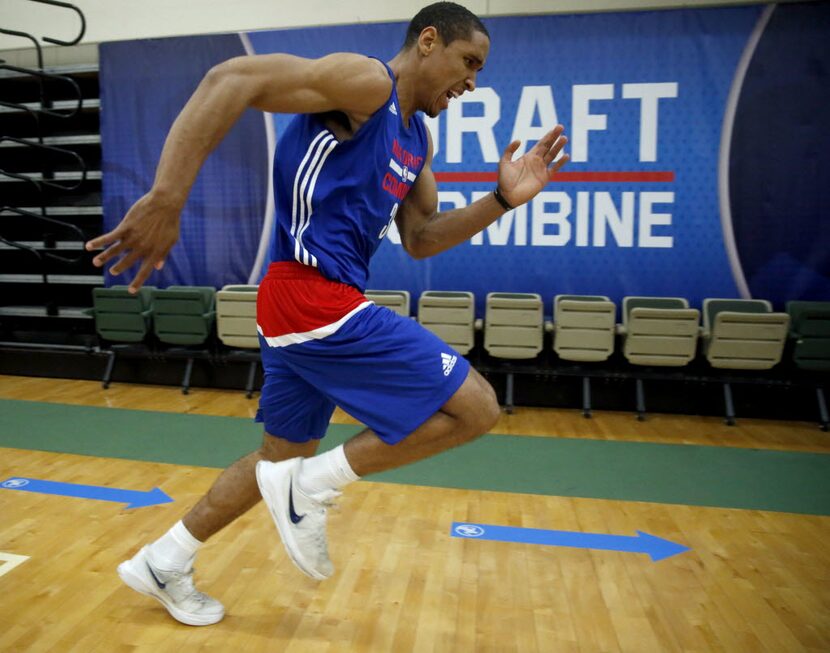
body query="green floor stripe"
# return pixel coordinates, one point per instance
(629, 471)
(181, 439)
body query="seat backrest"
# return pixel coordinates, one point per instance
(744, 334)
(395, 300)
(241, 287)
(450, 315)
(236, 316)
(513, 325)
(711, 307)
(121, 316)
(192, 300)
(184, 315)
(665, 337)
(810, 328)
(581, 298)
(583, 327)
(632, 302)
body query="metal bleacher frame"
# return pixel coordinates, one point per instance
(45, 274)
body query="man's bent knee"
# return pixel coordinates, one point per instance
(475, 407)
(489, 411)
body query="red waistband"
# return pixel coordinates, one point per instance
(294, 270)
(299, 308)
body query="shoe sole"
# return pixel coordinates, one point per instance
(281, 521)
(134, 581)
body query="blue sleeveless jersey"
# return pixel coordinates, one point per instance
(335, 200)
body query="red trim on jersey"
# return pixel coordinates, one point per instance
(296, 298)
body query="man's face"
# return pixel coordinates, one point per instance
(450, 70)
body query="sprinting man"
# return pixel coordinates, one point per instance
(356, 158)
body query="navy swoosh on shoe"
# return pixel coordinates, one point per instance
(295, 518)
(155, 578)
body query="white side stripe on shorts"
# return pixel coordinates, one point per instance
(304, 183)
(315, 334)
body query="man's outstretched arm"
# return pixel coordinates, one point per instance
(277, 83)
(426, 232)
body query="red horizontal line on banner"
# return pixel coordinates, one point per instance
(619, 177)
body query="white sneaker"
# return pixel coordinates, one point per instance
(300, 518)
(174, 589)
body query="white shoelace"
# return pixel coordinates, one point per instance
(183, 580)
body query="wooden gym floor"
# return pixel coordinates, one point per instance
(756, 576)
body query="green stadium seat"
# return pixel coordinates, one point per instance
(810, 334)
(121, 316)
(123, 320)
(183, 316)
(810, 331)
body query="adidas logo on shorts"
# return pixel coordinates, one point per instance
(393, 109)
(448, 362)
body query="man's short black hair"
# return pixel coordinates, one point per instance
(451, 20)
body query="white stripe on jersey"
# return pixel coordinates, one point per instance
(323, 141)
(329, 146)
(297, 180)
(397, 168)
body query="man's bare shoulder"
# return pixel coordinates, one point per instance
(351, 76)
(358, 64)
(284, 83)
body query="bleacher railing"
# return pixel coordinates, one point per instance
(46, 153)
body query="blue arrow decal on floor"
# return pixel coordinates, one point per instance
(134, 498)
(655, 547)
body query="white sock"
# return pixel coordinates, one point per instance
(175, 550)
(326, 471)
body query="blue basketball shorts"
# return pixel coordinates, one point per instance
(385, 370)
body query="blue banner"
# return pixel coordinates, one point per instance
(677, 181)
(144, 86)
